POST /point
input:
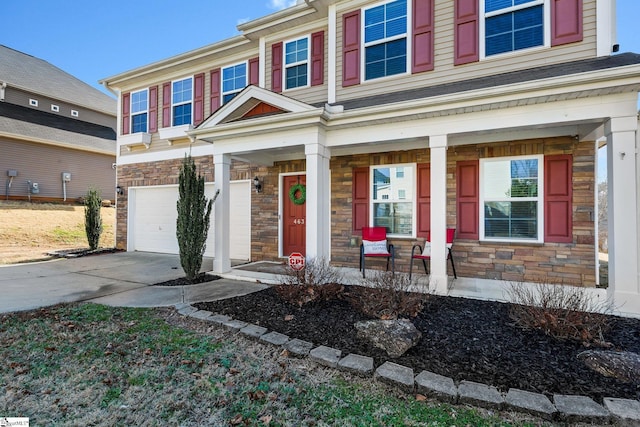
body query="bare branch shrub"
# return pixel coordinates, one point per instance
(388, 297)
(318, 281)
(560, 311)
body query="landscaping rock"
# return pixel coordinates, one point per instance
(625, 411)
(185, 309)
(220, 319)
(200, 314)
(624, 366)
(253, 331)
(531, 403)
(326, 356)
(234, 325)
(298, 347)
(393, 336)
(431, 384)
(354, 363)
(396, 375)
(275, 338)
(480, 395)
(577, 409)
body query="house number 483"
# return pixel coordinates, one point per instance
(299, 221)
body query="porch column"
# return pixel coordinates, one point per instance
(318, 201)
(438, 280)
(622, 170)
(221, 211)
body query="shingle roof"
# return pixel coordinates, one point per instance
(38, 76)
(29, 123)
(528, 75)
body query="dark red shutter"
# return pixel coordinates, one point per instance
(317, 58)
(126, 113)
(360, 201)
(153, 109)
(351, 48)
(468, 199)
(276, 67)
(166, 105)
(198, 99)
(466, 36)
(422, 36)
(566, 21)
(558, 193)
(424, 199)
(254, 71)
(214, 92)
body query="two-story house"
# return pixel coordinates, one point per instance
(57, 133)
(419, 115)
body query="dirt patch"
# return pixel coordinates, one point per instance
(28, 231)
(461, 338)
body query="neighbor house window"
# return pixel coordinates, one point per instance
(139, 109)
(234, 79)
(74, 113)
(385, 40)
(296, 62)
(55, 108)
(181, 97)
(511, 25)
(33, 102)
(511, 198)
(392, 198)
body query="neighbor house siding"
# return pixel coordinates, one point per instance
(44, 164)
(444, 69)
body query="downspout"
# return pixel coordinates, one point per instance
(3, 86)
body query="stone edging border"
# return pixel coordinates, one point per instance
(565, 408)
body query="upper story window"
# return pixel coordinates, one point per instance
(392, 198)
(139, 109)
(234, 79)
(181, 97)
(511, 25)
(385, 40)
(511, 198)
(296, 62)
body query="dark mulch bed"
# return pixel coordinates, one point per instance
(183, 281)
(461, 338)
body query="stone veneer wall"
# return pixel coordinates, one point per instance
(165, 172)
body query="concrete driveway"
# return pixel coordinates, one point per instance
(119, 279)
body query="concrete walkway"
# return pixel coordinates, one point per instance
(119, 279)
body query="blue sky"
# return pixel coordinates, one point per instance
(94, 39)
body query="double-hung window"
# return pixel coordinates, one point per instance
(385, 39)
(511, 198)
(139, 110)
(511, 25)
(181, 97)
(296, 63)
(234, 79)
(392, 198)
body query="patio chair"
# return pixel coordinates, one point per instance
(425, 254)
(374, 245)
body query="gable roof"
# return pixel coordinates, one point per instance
(36, 75)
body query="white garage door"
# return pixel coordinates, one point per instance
(153, 219)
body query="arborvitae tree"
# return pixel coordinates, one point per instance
(192, 225)
(92, 218)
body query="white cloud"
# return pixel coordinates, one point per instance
(281, 4)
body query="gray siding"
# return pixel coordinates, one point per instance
(44, 164)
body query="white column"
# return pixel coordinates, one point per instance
(262, 55)
(438, 280)
(331, 59)
(622, 170)
(221, 225)
(318, 202)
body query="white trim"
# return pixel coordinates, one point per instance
(331, 60)
(171, 154)
(606, 29)
(174, 132)
(539, 199)
(306, 62)
(262, 58)
(235, 91)
(137, 138)
(413, 200)
(281, 210)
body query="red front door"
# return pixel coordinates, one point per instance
(294, 215)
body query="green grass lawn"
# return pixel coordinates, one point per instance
(95, 365)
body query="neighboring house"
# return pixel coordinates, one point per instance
(419, 115)
(57, 133)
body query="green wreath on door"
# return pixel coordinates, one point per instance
(303, 194)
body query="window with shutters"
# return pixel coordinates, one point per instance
(139, 111)
(511, 25)
(385, 29)
(392, 198)
(296, 63)
(234, 79)
(181, 101)
(511, 199)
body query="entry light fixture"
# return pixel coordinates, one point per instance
(119, 190)
(257, 184)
